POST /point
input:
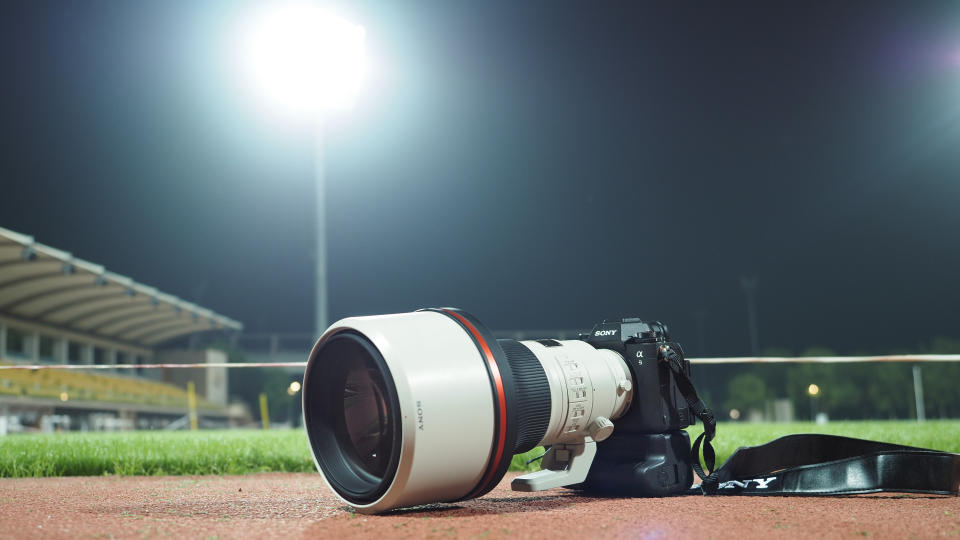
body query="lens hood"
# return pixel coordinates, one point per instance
(427, 399)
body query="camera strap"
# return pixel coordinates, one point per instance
(673, 356)
(833, 465)
(811, 464)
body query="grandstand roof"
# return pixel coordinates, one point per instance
(47, 286)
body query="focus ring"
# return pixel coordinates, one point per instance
(533, 394)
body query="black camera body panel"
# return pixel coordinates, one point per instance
(636, 465)
(658, 406)
(649, 451)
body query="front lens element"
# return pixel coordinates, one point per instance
(366, 427)
(351, 412)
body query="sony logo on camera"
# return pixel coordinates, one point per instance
(420, 416)
(762, 483)
(613, 334)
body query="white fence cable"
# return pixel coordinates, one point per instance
(828, 359)
(701, 361)
(154, 366)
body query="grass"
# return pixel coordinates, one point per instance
(249, 451)
(154, 453)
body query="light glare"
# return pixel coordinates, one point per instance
(304, 59)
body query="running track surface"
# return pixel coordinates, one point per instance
(275, 505)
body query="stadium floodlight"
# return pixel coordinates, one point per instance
(293, 388)
(303, 58)
(813, 390)
(306, 61)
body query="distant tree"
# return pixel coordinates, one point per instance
(745, 392)
(843, 391)
(890, 392)
(774, 375)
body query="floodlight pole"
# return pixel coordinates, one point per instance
(292, 53)
(320, 283)
(918, 394)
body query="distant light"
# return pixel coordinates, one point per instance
(64, 396)
(813, 389)
(303, 58)
(293, 388)
(734, 414)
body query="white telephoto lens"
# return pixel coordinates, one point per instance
(427, 407)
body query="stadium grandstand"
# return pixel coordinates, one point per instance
(57, 309)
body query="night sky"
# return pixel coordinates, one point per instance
(539, 164)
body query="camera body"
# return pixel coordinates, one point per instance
(649, 454)
(658, 405)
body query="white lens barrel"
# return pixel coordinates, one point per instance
(586, 384)
(426, 407)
